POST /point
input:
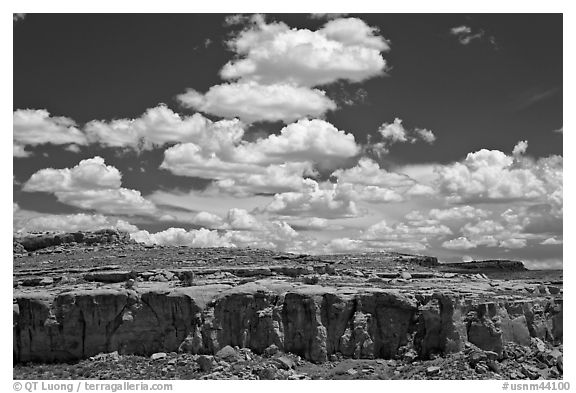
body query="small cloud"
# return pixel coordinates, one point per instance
(426, 135)
(552, 241)
(460, 30)
(560, 130)
(18, 151)
(17, 17)
(395, 132)
(534, 96)
(520, 148)
(74, 148)
(465, 35)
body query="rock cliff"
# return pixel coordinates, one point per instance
(311, 321)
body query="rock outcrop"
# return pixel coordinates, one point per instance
(33, 242)
(311, 321)
(500, 265)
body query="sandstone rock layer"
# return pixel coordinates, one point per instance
(308, 320)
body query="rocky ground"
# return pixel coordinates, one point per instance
(520, 362)
(96, 305)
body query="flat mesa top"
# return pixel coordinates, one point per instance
(77, 266)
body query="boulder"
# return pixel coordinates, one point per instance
(285, 362)
(158, 356)
(110, 276)
(433, 370)
(206, 363)
(228, 354)
(271, 351)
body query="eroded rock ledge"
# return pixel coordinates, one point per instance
(311, 321)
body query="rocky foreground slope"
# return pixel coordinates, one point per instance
(73, 301)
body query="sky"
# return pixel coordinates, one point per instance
(434, 134)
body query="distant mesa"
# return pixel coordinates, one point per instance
(33, 242)
(493, 264)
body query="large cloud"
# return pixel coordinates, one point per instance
(507, 233)
(160, 125)
(156, 127)
(491, 175)
(180, 237)
(277, 163)
(306, 140)
(343, 49)
(253, 102)
(241, 229)
(90, 185)
(233, 177)
(32, 127)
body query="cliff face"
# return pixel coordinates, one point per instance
(307, 320)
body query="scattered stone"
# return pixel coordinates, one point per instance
(481, 368)
(530, 371)
(187, 278)
(553, 290)
(129, 284)
(271, 350)
(410, 356)
(560, 363)
(475, 357)
(494, 366)
(112, 356)
(206, 362)
(158, 356)
(311, 280)
(434, 370)
(357, 273)
(491, 355)
(405, 276)
(109, 276)
(285, 362)
(228, 354)
(538, 344)
(46, 281)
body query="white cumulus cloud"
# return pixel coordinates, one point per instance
(90, 185)
(32, 127)
(312, 201)
(343, 49)
(252, 102)
(491, 175)
(180, 237)
(160, 125)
